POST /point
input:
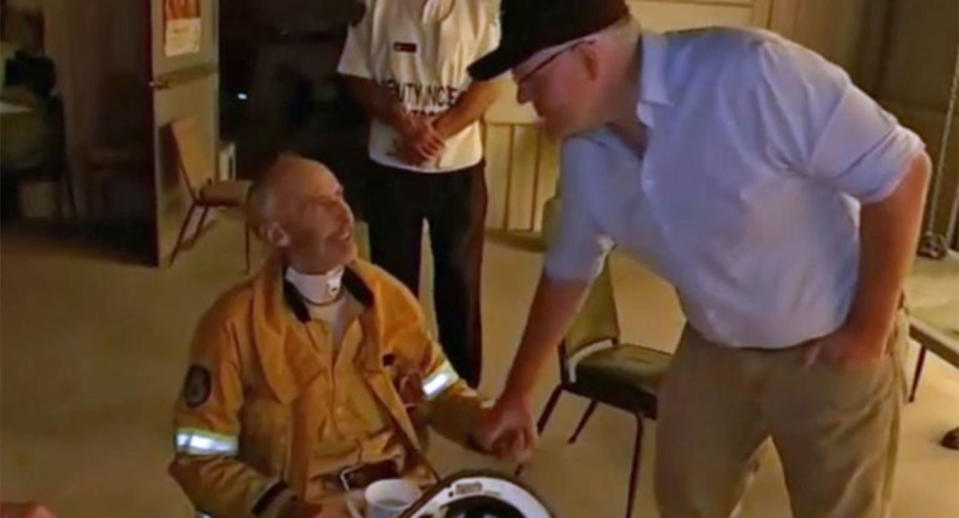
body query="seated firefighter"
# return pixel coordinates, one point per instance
(316, 374)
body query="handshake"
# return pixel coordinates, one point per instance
(507, 431)
(504, 430)
(419, 140)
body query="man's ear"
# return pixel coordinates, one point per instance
(590, 57)
(275, 235)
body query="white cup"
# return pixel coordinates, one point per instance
(388, 498)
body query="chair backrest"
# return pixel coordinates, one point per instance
(597, 325)
(194, 163)
(597, 320)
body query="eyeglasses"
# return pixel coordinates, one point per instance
(526, 77)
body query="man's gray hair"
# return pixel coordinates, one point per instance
(260, 203)
(261, 200)
(621, 33)
(625, 28)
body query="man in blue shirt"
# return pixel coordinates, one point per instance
(781, 202)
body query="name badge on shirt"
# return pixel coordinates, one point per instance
(402, 46)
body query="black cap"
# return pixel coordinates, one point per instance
(529, 26)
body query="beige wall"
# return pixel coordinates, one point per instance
(673, 15)
(830, 27)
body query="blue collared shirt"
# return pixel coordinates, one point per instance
(747, 198)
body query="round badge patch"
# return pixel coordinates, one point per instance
(196, 388)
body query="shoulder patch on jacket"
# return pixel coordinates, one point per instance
(196, 387)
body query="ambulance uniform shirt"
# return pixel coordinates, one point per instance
(419, 50)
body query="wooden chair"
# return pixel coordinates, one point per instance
(205, 192)
(594, 364)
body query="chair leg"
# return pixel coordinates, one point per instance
(246, 245)
(548, 409)
(634, 474)
(179, 239)
(544, 418)
(582, 422)
(199, 227)
(917, 374)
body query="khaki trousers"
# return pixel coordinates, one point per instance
(836, 430)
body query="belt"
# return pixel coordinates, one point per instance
(358, 477)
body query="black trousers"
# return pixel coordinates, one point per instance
(454, 204)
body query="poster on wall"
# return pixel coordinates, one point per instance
(183, 27)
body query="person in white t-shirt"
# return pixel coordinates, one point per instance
(406, 62)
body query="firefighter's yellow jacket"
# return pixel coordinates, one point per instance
(246, 421)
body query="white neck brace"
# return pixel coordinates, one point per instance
(317, 288)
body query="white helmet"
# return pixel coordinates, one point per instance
(478, 494)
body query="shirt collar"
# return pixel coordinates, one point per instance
(652, 87)
(317, 288)
(356, 286)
